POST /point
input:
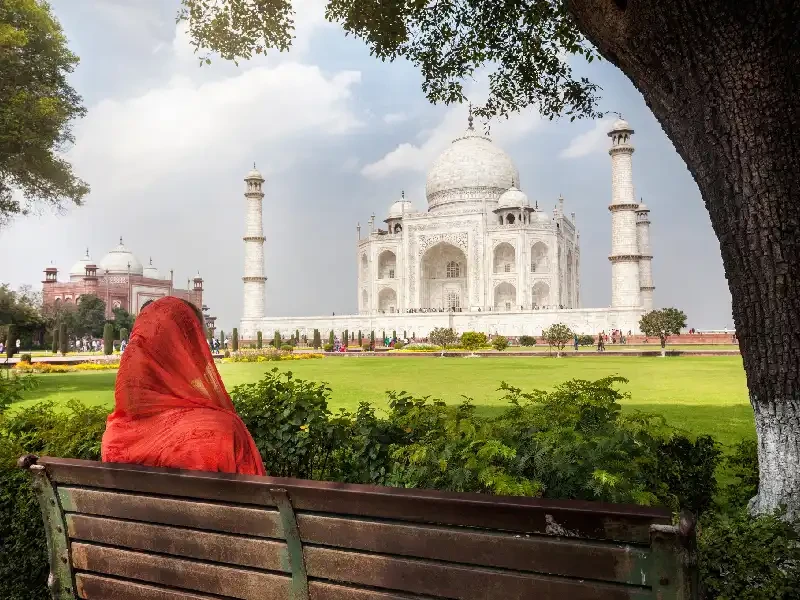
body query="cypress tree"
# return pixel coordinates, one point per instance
(222, 340)
(63, 340)
(11, 343)
(317, 339)
(123, 334)
(372, 339)
(346, 338)
(55, 340)
(394, 334)
(383, 339)
(259, 340)
(108, 339)
(404, 334)
(330, 338)
(276, 340)
(235, 340)
(360, 339)
(296, 336)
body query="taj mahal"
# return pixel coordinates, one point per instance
(480, 258)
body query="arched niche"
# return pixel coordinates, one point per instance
(505, 258)
(387, 300)
(443, 271)
(540, 258)
(505, 296)
(387, 265)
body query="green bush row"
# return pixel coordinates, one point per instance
(572, 442)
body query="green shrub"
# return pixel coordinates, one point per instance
(108, 339)
(259, 340)
(398, 345)
(317, 339)
(63, 340)
(41, 429)
(331, 338)
(26, 358)
(473, 340)
(746, 558)
(287, 348)
(276, 339)
(360, 338)
(365, 347)
(743, 466)
(499, 343)
(328, 347)
(586, 340)
(235, 340)
(227, 353)
(345, 338)
(372, 338)
(296, 336)
(527, 340)
(123, 334)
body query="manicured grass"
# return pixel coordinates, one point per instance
(700, 394)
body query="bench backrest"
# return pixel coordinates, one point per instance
(129, 532)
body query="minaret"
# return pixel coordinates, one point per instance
(254, 280)
(625, 285)
(645, 256)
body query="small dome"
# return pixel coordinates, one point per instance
(254, 173)
(621, 125)
(79, 268)
(513, 198)
(118, 260)
(399, 208)
(643, 207)
(151, 272)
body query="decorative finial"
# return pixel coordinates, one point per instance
(254, 165)
(536, 204)
(403, 194)
(469, 118)
(120, 240)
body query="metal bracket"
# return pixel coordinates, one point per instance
(60, 582)
(293, 543)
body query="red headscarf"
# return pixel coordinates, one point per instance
(172, 409)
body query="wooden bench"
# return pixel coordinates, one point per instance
(127, 532)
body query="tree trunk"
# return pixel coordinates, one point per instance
(721, 78)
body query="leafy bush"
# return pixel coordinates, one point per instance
(499, 343)
(227, 353)
(365, 347)
(287, 348)
(558, 335)
(443, 336)
(268, 355)
(41, 429)
(586, 340)
(25, 358)
(473, 340)
(746, 558)
(421, 347)
(398, 345)
(527, 340)
(328, 347)
(743, 466)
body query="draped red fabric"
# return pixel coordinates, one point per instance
(171, 407)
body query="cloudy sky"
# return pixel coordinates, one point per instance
(338, 135)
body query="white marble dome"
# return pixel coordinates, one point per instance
(470, 165)
(151, 271)
(254, 174)
(399, 208)
(118, 259)
(513, 198)
(78, 270)
(621, 125)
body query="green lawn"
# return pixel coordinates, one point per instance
(701, 394)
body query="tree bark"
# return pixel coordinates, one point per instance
(721, 77)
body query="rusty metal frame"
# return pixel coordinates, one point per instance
(299, 589)
(674, 570)
(61, 580)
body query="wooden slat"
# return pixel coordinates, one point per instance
(215, 547)
(453, 581)
(339, 567)
(95, 587)
(178, 573)
(526, 515)
(258, 522)
(568, 557)
(543, 554)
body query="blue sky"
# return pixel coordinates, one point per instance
(338, 134)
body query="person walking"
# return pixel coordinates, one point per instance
(575, 341)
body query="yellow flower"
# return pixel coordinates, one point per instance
(304, 427)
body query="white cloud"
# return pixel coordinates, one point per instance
(588, 142)
(188, 124)
(418, 157)
(392, 118)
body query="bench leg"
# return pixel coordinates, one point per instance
(293, 543)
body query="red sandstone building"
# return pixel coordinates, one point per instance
(120, 280)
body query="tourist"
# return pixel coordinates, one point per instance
(601, 345)
(171, 407)
(575, 341)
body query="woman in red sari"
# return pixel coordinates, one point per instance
(171, 408)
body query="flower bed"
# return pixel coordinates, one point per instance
(38, 367)
(267, 355)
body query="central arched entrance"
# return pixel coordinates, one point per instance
(444, 282)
